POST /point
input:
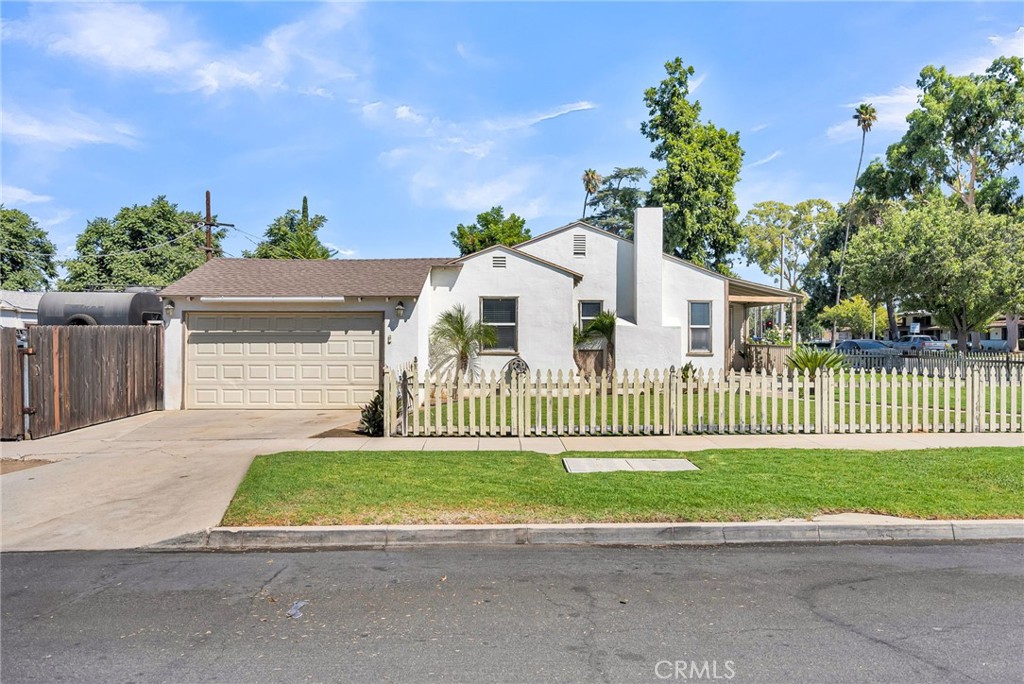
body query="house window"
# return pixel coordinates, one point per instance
(588, 312)
(579, 245)
(700, 327)
(501, 314)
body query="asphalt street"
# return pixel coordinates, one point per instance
(853, 613)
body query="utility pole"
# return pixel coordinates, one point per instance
(782, 276)
(210, 224)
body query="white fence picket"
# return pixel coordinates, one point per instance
(667, 402)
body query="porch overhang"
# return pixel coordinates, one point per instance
(755, 294)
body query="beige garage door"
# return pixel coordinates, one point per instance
(282, 360)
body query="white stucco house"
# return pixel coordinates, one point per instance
(252, 333)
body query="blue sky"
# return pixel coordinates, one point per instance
(401, 120)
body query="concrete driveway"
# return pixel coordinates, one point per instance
(146, 479)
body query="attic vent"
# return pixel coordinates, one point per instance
(498, 261)
(579, 245)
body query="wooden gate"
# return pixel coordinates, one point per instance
(80, 376)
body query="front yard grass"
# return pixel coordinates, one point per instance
(344, 488)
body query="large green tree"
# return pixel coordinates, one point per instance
(962, 265)
(783, 239)
(153, 244)
(492, 227)
(293, 235)
(696, 187)
(614, 204)
(965, 134)
(26, 253)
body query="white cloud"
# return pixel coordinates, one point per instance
(467, 165)
(526, 121)
(341, 251)
(55, 219)
(12, 195)
(471, 55)
(758, 128)
(65, 129)
(696, 83)
(505, 189)
(1010, 45)
(892, 108)
(406, 113)
(761, 162)
(371, 109)
(306, 55)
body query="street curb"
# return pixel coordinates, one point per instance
(604, 534)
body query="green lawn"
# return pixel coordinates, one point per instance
(322, 488)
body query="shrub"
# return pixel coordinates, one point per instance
(811, 359)
(372, 420)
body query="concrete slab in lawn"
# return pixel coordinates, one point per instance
(610, 465)
(661, 465)
(595, 465)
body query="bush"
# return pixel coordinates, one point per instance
(372, 421)
(811, 359)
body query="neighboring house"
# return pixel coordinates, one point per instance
(1009, 329)
(316, 334)
(18, 309)
(1001, 328)
(921, 323)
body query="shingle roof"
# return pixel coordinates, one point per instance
(305, 278)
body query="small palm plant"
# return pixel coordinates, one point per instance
(602, 327)
(811, 359)
(456, 340)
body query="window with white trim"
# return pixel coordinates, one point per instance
(588, 312)
(700, 327)
(502, 315)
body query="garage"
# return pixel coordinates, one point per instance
(282, 360)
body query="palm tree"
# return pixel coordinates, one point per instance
(865, 116)
(455, 340)
(591, 182)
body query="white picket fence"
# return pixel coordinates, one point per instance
(672, 402)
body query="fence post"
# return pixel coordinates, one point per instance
(672, 380)
(405, 403)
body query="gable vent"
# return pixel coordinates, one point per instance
(579, 245)
(498, 261)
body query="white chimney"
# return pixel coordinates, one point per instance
(647, 265)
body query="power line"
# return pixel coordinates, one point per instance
(199, 226)
(258, 241)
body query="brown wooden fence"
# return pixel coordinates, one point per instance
(11, 423)
(81, 376)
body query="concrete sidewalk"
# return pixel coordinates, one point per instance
(146, 479)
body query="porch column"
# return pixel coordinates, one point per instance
(792, 318)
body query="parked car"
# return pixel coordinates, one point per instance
(861, 346)
(992, 346)
(919, 343)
